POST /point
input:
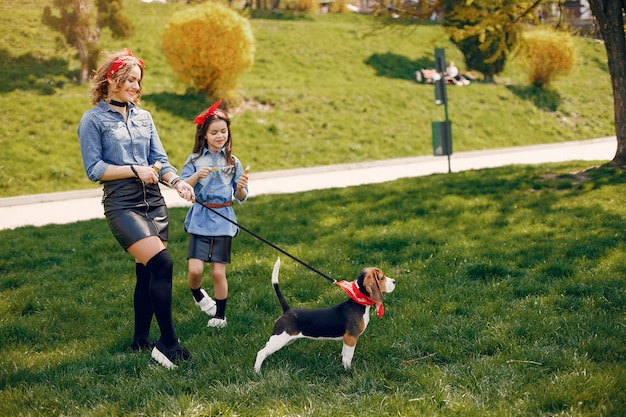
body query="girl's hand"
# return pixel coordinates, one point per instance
(242, 182)
(185, 191)
(203, 172)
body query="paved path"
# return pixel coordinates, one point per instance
(69, 207)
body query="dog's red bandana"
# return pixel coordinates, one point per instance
(352, 289)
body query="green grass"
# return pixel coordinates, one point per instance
(510, 301)
(511, 281)
(324, 89)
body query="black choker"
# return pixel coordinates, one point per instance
(117, 103)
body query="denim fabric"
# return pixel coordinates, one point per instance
(106, 139)
(218, 187)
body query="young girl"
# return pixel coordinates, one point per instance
(216, 175)
(122, 150)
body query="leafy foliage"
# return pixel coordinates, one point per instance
(483, 56)
(210, 46)
(75, 25)
(81, 29)
(548, 55)
(484, 31)
(110, 15)
(300, 5)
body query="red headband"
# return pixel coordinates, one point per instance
(121, 62)
(213, 110)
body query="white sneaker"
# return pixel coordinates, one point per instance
(207, 304)
(218, 323)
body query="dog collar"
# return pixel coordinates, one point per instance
(355, 293)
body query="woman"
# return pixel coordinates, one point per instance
(122, 150)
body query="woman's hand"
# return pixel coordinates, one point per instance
(185, 191)
(147, 174)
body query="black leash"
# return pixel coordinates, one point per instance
(272, 245)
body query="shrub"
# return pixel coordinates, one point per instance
(209, 46)
(339, 6)
(301, 5)
(547, 55)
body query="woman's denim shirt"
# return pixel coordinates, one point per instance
(106, 139)
(217, 188)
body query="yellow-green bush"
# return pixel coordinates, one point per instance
(339, 6)
(301, 5)
(209, 46)
(547, 55)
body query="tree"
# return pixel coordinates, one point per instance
(81, 30)
(486, 31)
(609, 15)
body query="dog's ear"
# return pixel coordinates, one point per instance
(370, 283)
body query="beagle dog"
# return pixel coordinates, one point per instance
(345, 321)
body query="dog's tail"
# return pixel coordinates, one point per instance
(281, 299)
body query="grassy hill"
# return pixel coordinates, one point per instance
(324, 89)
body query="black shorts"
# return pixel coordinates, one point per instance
(135, 210)
(210, 248)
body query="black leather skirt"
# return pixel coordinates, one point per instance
(134, 210)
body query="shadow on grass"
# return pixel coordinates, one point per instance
(184, 106)
(27, 72)
(396, 66)
(601, 64)
(488, 202)
(278, 15)
(544, 100)
(496, 268)
(585, 180)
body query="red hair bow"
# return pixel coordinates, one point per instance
(122, 61)
(210, 112)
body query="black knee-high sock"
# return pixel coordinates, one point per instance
(197, 294)
(142, 303)
(161, 267)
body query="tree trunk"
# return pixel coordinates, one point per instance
(86, 37)
(610, 18)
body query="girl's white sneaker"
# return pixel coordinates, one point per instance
(207, 304)
(216, 322)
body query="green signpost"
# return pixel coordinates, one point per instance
(442, 131)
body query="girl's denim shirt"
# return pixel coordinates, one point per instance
(218, 187)
(106, 139)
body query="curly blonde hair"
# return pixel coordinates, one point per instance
(99, 81)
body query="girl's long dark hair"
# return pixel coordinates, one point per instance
(200, 141)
